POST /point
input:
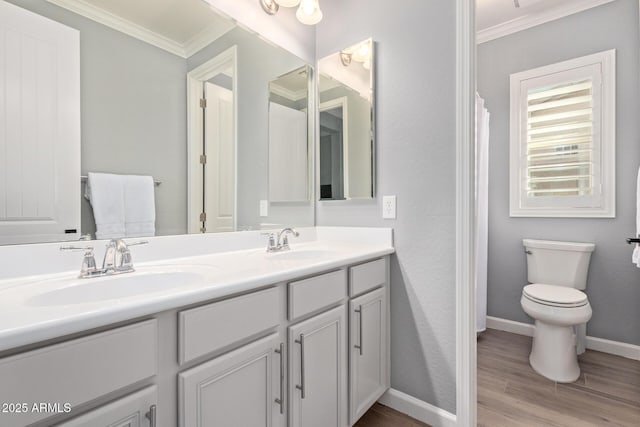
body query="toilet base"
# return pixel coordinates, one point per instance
(553, 353)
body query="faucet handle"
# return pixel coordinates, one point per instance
(125, 261)
(271, 245)
(88, 263)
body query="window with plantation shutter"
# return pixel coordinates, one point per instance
(563, 139)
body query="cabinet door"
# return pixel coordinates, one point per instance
(240, 388)
(318, 366)
(135, 410)
(368, 343)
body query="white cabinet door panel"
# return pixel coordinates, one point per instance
(318, 367)
(239, 388)
(368, 343)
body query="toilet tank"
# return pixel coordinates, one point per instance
(558, 263)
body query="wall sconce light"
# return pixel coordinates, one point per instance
(308, 12)
(359, 53)
(345, 58)
(269, 6)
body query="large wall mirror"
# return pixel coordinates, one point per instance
(347, 136)
(169, 91)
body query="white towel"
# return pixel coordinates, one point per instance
(139, 206)
(123, 205)
(106, 194)
(636, 252)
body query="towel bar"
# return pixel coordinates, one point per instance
(84, 178)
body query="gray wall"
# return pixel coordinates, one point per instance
(415, 67)
(259, 62)
(133, 98)
(614, 283)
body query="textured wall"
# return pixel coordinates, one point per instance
(416, 161)
(614, 283)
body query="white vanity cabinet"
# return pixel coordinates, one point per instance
(242, 388)
(309, 352)
(318, 370)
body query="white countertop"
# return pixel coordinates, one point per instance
(27, 319)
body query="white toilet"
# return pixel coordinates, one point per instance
(557, 273)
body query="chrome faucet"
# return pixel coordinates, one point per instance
(280, 242)
(283, 240)
(117, 258)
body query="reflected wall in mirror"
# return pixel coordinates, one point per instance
(140, 114)
(288, 137)
(346, 149)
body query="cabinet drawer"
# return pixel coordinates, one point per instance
(205, 329)
(79, 370)
(313, 294)
(367, 276)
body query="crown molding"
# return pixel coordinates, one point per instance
(535, 19)
(286, 93)
(117, 23)
(204, 38)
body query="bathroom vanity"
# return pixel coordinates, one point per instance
(296, 338)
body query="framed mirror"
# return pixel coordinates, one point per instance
(346, 148)
(173, 92)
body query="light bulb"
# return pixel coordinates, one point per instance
(309, 12)
(288, 3)
(363, 52)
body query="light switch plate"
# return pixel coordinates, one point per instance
(264, 208)
(389, 207)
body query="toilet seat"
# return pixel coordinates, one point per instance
(555, 296)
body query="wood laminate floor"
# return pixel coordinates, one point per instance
(510, 393)
(383, 416)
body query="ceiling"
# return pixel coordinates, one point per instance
(174, 24)
(502, 17)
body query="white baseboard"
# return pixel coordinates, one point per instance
(629, 351)
(510, 326)
(418, 409)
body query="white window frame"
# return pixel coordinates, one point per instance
(601, 68)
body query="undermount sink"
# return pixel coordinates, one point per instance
(149, 281)
(301, 254)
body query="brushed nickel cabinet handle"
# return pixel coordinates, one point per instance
(359, 346)
(301, 387)
(280, 400)
(151, 416)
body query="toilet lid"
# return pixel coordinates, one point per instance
(559, 296)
